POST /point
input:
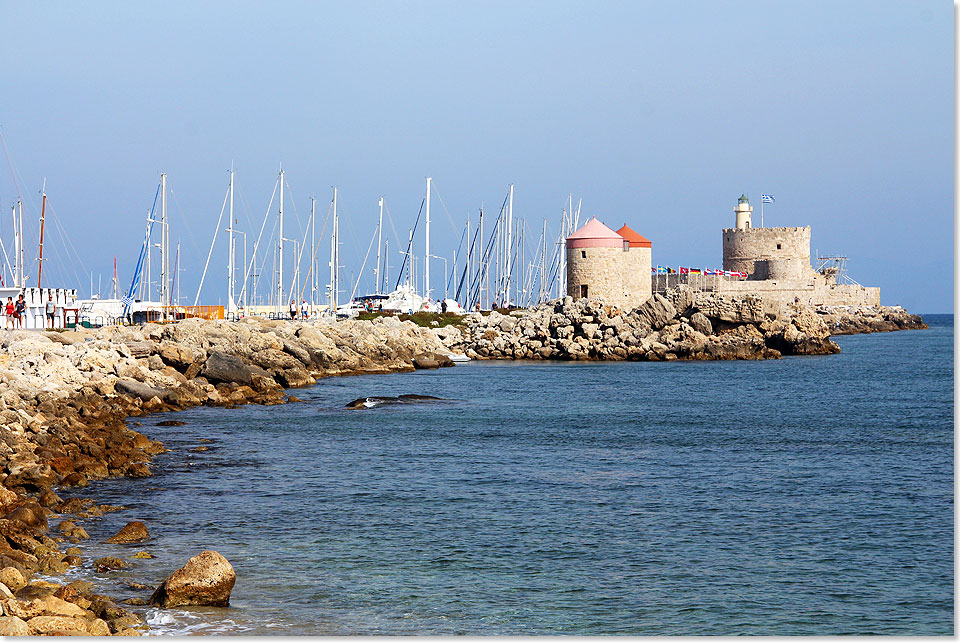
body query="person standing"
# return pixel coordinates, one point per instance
(19, 311)
(293, 309)
(8, 311)
(51, 311)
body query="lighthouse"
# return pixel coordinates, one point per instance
(743, 211)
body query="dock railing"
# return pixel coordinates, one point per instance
(180, 312)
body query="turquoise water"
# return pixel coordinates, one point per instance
(810, 495)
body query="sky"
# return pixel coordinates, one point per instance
(654, 114)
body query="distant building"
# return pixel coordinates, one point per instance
(607, 265)
(616, 266)
(776, 261)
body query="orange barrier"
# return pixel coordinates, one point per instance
(180, 312)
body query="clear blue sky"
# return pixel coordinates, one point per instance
(655, 114)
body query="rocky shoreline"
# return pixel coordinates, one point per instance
(65, 398)
(681, 325)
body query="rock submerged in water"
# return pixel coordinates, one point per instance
(132, 533)
(372, 402)
(206, 579)
(431, 360)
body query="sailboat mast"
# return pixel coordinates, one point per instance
(16, 247)
(469, 265)
(176, 275)
(313, 245)
(280, 297)
(426, 253)
(509, 246)
(379, 243)
(543, 259)
(333, 259)
(231, 252)
(43, 211)
(164, 250)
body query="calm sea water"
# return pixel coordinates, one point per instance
(811, 495)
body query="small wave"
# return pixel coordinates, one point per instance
(177, 622)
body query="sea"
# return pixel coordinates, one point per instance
(802, 496)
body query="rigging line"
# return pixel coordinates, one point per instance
(183, 219)
(16, 186)
(65, 237)
(314, 250)
(353, 233)
(456, 253)
(257, 244)
(216, 233)
(466, 265)
(406, 254)
(57, 248)
(444, 205)
(396, 237)
(303, 245)
(362, 266)
(485, 257)
(296, 214)
(57, 266)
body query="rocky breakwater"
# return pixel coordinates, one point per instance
(64, 399)
(855, 319)
(679, 325)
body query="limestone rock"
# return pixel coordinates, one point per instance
(53, 605)
(56, 625)
(140, 390)
(656, 312)
(12, 578)
(206, 579)
(30, 513)
(700, 323)
(13, 626)
(131, 533)
(105, 564)
(226, 368)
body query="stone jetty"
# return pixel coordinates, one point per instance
(682, 324)
(66, 397)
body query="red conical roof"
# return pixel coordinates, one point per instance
(594, 234)
(636, 240)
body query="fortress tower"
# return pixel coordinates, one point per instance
(602, 264)
(766, 253)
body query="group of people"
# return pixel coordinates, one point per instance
(301, 312)
(15, 311)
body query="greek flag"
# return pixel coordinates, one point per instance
(126, 300)
(767, 198)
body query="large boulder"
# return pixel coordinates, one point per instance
(13, 626)
(205, 580)
(131, 533)
(226, 368)
(141, 390)
(656, 312)
(700, 323)
(430, 360)
(30, 513)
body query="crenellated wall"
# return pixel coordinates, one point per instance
(788, 245)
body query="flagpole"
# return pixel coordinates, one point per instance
(761, 209)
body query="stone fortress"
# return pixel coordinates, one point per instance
(615, 267)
